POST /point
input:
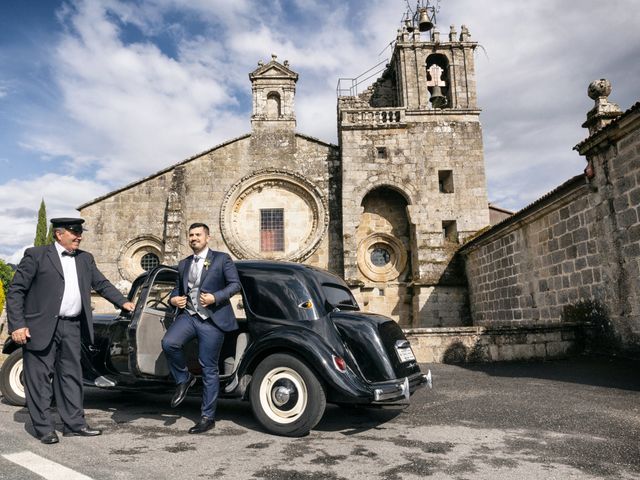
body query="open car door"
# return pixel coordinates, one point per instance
(152, 317)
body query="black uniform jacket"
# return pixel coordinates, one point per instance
(35, 294)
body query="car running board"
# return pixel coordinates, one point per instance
(104, 382)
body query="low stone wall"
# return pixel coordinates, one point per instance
(494, 344)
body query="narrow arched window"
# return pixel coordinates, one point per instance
(273, 106)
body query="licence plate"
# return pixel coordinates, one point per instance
(405, 354)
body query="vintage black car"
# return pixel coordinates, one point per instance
(302, 342)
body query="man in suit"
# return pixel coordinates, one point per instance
(206, 281)
(49, 310)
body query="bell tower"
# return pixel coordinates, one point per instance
(273, 86)
(413, 177)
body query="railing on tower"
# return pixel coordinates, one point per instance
(348, 87)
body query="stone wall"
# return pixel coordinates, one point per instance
(572, 255)
(494, 344)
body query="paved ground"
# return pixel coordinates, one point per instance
(573, 419)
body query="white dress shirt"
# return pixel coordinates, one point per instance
(198, 266)
(71, 305)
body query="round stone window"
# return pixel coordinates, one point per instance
(149, 261)
(139, 255)
(381, 257)
(274, 214)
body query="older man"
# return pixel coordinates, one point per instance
(49, 309)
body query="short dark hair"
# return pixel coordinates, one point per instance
(199, 225)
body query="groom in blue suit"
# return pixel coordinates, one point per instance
(206, 281)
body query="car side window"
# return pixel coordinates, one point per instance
(277, 295)
(339, 297)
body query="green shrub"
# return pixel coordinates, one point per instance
(598, 330)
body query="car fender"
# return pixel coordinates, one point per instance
(312, 349)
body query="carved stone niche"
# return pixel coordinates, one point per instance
(381, 257)
(305, 215)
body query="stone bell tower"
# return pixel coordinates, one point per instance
(413, 177)
(273, 86)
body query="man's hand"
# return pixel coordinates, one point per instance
(129, 306)
(21, 335)
(179, 302)
(207, 299)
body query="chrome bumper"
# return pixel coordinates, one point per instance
(401, 389)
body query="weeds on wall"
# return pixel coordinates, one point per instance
(597, 330)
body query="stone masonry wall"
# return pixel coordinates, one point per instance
(528, 271)
(579, 246)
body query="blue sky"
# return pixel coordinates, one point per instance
(96, 94)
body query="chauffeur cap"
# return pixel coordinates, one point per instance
(73, 224)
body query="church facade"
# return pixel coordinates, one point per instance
(385, 209)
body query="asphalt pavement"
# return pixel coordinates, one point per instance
(567, 419)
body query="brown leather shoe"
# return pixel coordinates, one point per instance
(203, 425)
(49, 438)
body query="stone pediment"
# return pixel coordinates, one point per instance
(273, 69)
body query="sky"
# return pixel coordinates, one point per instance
(97, 94)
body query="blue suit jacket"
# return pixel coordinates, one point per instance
(221, 279)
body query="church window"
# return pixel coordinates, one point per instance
(272, 230)
(149, 261)
(445, 181)
(450, 231)
(380, 256)
(381, 152)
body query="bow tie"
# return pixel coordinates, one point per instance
(72, 253)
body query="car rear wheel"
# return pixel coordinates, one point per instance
(286, 396)
(12, 379)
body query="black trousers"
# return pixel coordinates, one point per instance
(55, 371)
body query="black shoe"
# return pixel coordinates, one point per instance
(49, 438)
(85, 431)
(203, 425)
(181, 391)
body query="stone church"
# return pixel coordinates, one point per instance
(385, 209)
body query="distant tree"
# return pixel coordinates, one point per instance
(50, 235)
(41, 229)
(6, 274)
(1, 298)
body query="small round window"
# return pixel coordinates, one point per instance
(380, 256)
(149, 261)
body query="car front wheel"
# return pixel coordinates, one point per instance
(12, 379)
(286, 396)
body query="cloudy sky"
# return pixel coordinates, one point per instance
(95, 94)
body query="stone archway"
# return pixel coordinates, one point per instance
(384, 253)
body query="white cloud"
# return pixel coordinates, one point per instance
(20, 201)
(129, 109)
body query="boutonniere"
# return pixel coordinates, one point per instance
(206, 264)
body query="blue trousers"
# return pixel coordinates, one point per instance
(210, 339)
